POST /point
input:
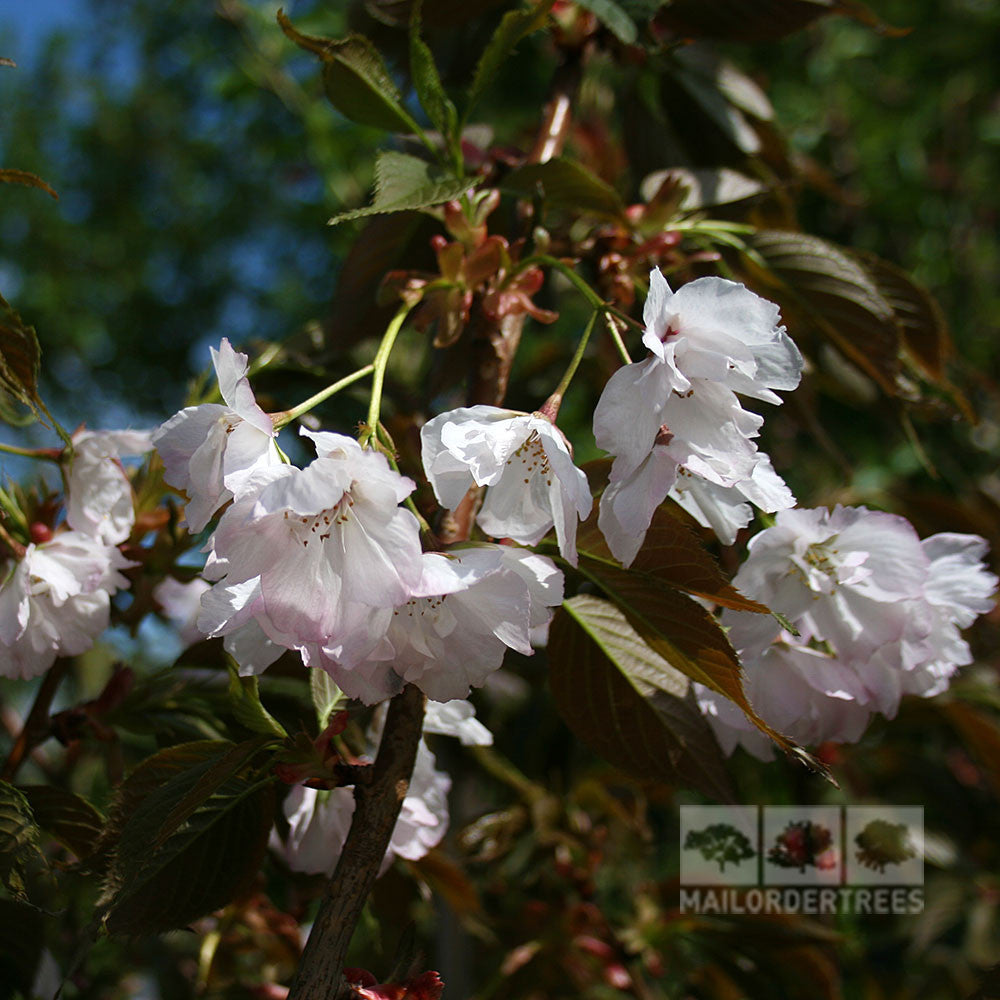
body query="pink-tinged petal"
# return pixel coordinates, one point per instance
(14, 605)
(656, 313)
(206, 490)
(958, 580)
(224, 608)
(178, 438)
(383, 570)
(231, 370)
(456, 718)
(247, 452)
(251, 648)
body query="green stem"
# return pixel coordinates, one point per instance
(617, 338)
(552, 404)
(49, 454)
(281, 419)
(379, 366)
(67, 440)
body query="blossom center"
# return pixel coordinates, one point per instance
(318, 527)
(530, 459)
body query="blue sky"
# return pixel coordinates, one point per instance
(24, 24)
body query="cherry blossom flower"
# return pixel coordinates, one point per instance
(878, 614)
(99, 499)
(210, 451)
(456, 718)
(55, 601)
(524, 461)
(677, 413)
(470, 606)
(314, 558)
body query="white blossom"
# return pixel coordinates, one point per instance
(522, 459)
(456, 718)
(878, 614)
(676, 413)
(55, 601)
(99, 500)
(181, 604)
(210, 451)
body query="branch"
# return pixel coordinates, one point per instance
(36, 726)
(377, 805)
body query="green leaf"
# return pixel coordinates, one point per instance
(67, 817)
(514, 26)
(427, 83)
(832, 292)
(20, 356)
(21, 859)
(684, 634)
(627, 702)
(613, 17)
(566, 184)
(357, 81)
(154, 886)
(249, 711)
(403, 183)
(327, 698)
(9, 176)
(703, 187)
(22, 938)
(671, 554)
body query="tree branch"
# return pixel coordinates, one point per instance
(377, 806)
(36, 725)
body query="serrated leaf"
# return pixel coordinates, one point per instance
(514, 26)
(20, 358)
(249, 711)
(627, 702)
(67, 817)
(684, 634)
(427, 83)
(566, 184)
(836, 295)
(21, 858)
(200, 867)
(613, 17)
(922, 324)
(22, 938)
(671, 554)
(11, 176)
(357, 82)
(404, 183)
(327, 698)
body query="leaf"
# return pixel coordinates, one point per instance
(448, 880)
(437, 12)
(427, 83)
(627, 702)
(672, 554)
(684, 634)
(921, 323)
(404, 183)
(757, 20)
(703, 187)
(21, 858)
(568, 185)
(22, 938)
(327, 698)
(155, 884)
(10, 176)
(248, 710)
(20, 356)
(514, 26)
(357, 82)
(613, 17)
(836, 295)
(67, 817)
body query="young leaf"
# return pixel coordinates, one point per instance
(327, 698)
(568, 185)
(427, 82)
(357, 82)
(627, 702)
(10, 176)
(404, 182)
(20, 856)
(19, 357)
(514, 26)
(67, 817)
(684, 634)
(244, 698)
(836, 295)
(671, 554)
(613, 17)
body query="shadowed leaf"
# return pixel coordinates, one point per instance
(67, 817)
(568, 185)
(614, 17)
(627, 702)
(19, 358)
(427, 83)
(21, 858)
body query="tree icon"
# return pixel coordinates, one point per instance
(721, 843)
(803, 844)
(883, 843)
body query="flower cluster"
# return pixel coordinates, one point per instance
(878, 612)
